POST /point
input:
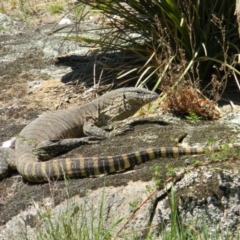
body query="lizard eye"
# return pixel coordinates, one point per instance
(140, 92)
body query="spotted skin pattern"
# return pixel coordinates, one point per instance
(54, 133)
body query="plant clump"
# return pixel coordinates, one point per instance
(164, 43)
(188, 102)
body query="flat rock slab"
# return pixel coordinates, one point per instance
(204, 187)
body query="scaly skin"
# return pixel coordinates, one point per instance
(113, 106)
(62, 125)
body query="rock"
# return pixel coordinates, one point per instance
(5, 21)
(64, 21)
(10, 143)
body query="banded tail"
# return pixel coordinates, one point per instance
(91, 166)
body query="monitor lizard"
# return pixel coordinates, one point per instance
(55, 133)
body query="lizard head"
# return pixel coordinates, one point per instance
(122, 103)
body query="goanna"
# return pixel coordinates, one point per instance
(60, 131)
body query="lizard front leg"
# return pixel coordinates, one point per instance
(51, 148)
(90, 129)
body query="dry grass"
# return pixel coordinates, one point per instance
(187, 100)
(20, 8)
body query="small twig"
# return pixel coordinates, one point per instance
(152, 226)
(232, 105)
(236, 80)
(59, 29)
(132, 215)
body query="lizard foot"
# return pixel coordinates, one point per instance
(51, 148)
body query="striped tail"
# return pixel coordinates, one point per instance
(91, 166)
